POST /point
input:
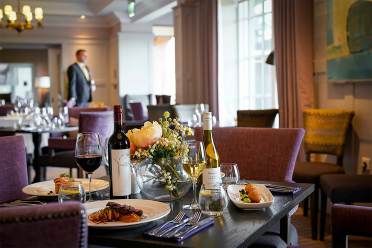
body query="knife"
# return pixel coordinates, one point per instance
(202, 224)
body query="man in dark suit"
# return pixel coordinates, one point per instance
(80, 83)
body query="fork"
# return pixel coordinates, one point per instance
(175, 220)
(194, 220)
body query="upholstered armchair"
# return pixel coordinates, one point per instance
(13, 168)
(325, 134)
(51, 225)
(61, 150)
(350, 220)
(261, 153)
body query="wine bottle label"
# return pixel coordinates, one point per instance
(121, 172)
(212, 178)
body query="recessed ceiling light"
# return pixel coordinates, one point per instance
(82, 17)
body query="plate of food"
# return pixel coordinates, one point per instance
(124, 213)
(250, 196)
(51, 187)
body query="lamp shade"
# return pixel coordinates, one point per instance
(42, 82)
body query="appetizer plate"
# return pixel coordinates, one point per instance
(44, 188)
(152, 211)
(266, 197)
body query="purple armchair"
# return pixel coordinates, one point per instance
(13, 168)
(137, 111)
(350, 220)
(261, 153)
(51, 225)
(61, 150)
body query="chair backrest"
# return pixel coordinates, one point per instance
(144, 99)
(163, 99)
(137, 111)
(75, 111)
(52, 225)
(261, 153)
(5, 109)
(97, 122)
(326, 131)
(256, 118)
(185, 112)
(13, 168)
(156, 111)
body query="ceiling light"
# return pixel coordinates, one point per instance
(131, 8)
(20, 18)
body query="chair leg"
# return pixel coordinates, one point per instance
(80, 173)
(314, 213)
(306, 206)
(323, 214)
(339, 240)
(70, 171)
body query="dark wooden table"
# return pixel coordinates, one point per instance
(237, 228)
(36, 139)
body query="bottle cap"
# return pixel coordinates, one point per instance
(207, 120)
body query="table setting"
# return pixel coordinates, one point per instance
(169, 202)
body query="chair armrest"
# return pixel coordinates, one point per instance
(61, 143)
(350, 220)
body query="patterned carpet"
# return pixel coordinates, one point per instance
(303, 227)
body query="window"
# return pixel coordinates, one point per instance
(164, 67)
(255, 83)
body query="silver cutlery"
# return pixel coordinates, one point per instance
(170, 229)
(191, 225)
(176, 220)
(183, 233)
(194, 219)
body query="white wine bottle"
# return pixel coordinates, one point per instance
(212, 197)
(212, 172)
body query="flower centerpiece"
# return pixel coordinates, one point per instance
(157, 150)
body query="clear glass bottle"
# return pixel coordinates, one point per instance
(212, 196)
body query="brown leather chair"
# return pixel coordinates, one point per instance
(256, 118)
(350, 220)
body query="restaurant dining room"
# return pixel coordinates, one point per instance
(186, 123)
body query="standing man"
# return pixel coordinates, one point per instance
(80, 83)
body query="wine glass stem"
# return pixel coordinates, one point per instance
(90, 181)
(194, 201)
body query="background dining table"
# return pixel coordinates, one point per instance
(236, 228)
(36, 139)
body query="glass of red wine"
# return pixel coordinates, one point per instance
(88, 154)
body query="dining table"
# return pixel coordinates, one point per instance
(235, 228)
(36, 134)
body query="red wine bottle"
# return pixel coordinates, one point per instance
(119, 158)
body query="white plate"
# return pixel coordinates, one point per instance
(152, 210)
(43, 188)
(266, 197)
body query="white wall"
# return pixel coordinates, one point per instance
(94, 40)
(135, 62)
(356, 96)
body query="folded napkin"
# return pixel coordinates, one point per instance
(185, 232)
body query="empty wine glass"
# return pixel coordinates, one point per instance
(88, 154)
(194, 164)
(230, 173)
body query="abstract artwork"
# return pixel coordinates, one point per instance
(349, 40)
